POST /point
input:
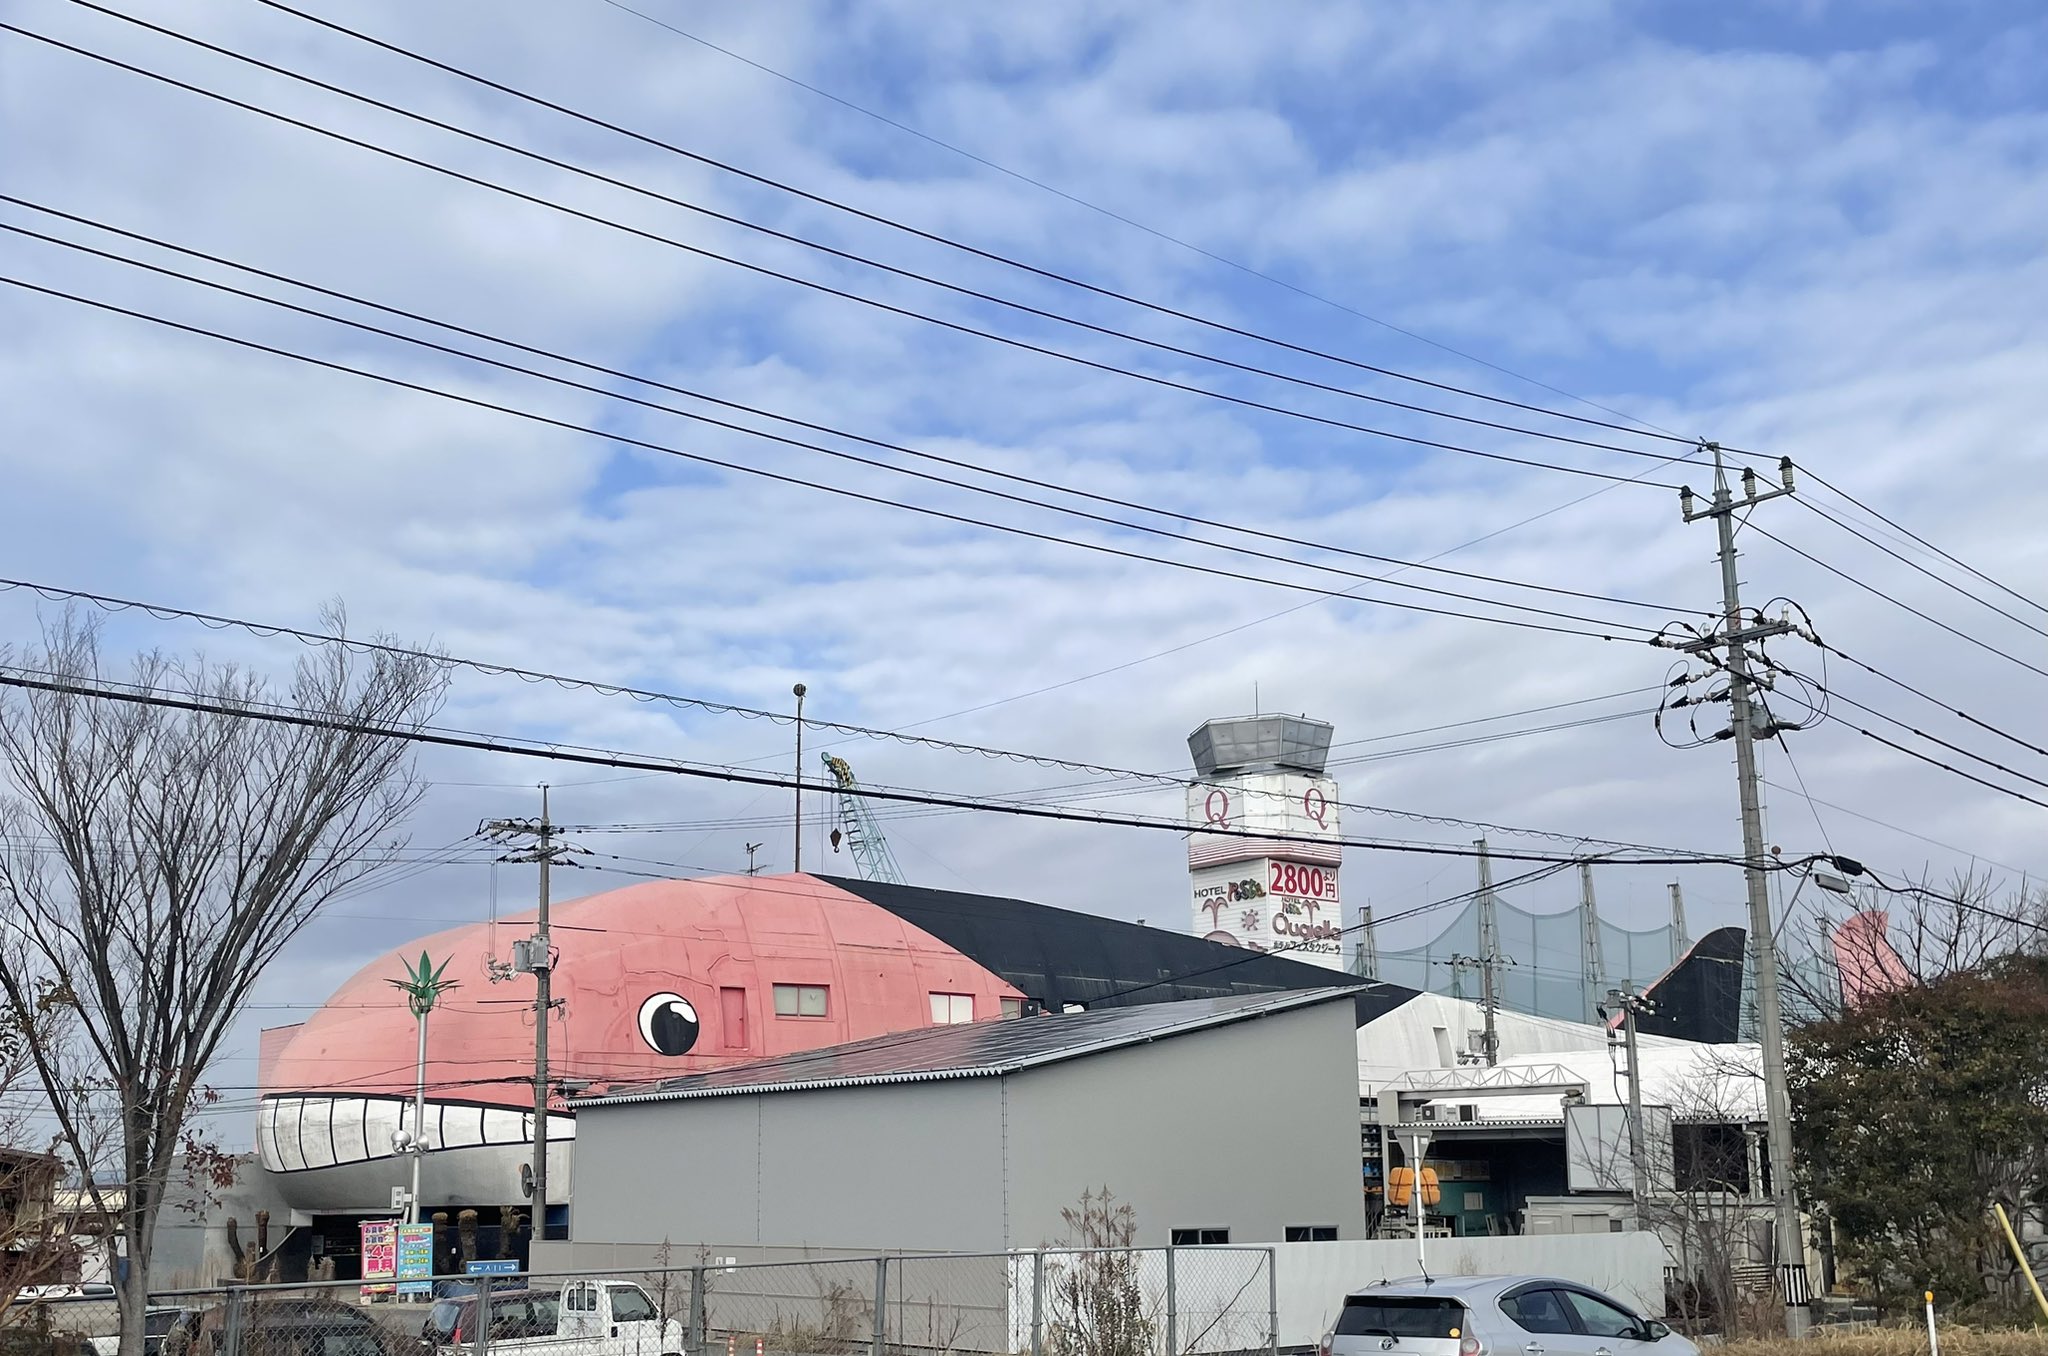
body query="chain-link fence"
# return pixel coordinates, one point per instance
(1207, 1301)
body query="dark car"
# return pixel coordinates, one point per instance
(514, 1313)
(284, 1326)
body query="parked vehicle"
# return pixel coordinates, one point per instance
(286, 1326)
(582, 1318)
(1494, 1316)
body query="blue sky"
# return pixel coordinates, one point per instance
(1809, 229)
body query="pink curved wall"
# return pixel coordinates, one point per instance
(613, 951)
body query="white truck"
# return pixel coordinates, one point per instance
(581, 1318)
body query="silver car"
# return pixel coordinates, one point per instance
(1494, 1316)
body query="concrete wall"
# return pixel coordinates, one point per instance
(1313, 1278)
(1250, 1127)
(915, 1165)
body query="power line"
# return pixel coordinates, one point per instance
(1241, 626)
(878, 219)
(1959, 564)
(1880, 593)
(1910, 833)
(1822, 513)
(1505, 715)
(1947, 767)
(1933, 739)
(1638, 424)
(1905, 686)
(267, 630)
(275, 714)
(814, 447)
(667, 450)
(1535, 874)
(811, 284)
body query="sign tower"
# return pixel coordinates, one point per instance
(1265, 842)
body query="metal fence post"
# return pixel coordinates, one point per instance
(1038, 1303)
(1273, 1301)
(231, 1338)
(694, 1341)
(1172, 1305)
(484, 1290)
(881, 1306)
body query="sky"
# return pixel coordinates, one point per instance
(1809, 230)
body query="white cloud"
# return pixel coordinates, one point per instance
(1830, 253)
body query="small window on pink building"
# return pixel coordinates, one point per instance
(952, 1009)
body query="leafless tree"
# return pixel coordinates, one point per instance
(1934, 929)
(154, 859)
(1701, 1200)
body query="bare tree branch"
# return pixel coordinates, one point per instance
(154, 861)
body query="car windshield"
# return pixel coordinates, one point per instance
(1400, 1316)
(631, 1305)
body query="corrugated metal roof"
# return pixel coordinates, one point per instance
(973, 1050)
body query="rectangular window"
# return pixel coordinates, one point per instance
(732, 1018)
(952, 1009)
(1311, 1233)
(1195, 1238)
(1013, 1007)
(799, 1000)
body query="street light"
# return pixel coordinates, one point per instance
(423, 985)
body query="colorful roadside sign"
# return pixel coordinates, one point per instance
(415, 1259)
(380, 1256)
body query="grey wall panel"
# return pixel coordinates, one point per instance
(1250, 1127)
(913, 1165)
(910, 1166)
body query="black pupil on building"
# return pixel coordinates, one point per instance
(673, 1029)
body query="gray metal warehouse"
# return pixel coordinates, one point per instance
(1217, 1120)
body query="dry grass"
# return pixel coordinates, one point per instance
(1901, 1341)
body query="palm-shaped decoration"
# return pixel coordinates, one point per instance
(423, 984)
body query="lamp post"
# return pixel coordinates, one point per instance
(423, 985)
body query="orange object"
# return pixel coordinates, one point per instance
(1401, 1187)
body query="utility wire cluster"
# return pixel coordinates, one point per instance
(1791, 697)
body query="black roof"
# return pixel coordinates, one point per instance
(1059, 956)
(1700, 998)
(983, 1049)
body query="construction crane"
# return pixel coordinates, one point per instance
(871, 855)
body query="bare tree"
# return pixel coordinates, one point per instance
(154, 859)
(1702, 1200)
(1925, 933)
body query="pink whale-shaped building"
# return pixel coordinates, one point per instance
(652, 981)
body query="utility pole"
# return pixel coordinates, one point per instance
(1365, 961)
(796, 859)
(1735, 635)
(535, 956)
(1680, 939)
(1489, 958)
(543, 970)
(1592, 965)
(1638, 1157)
